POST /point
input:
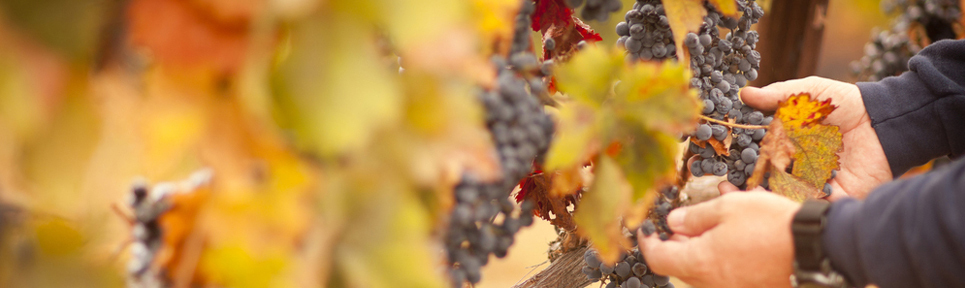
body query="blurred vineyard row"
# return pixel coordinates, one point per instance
(327, 163)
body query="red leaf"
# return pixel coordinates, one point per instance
(555, 20)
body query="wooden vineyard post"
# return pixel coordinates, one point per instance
(790, 40)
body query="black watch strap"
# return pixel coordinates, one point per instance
(812, 268)
(806, 229)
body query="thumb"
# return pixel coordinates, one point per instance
(695, 220)
(767, 97)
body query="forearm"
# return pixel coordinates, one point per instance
(908, 233)
(920, 115)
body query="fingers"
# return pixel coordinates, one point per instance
(669, 257)
(694, 220)
(726, 187)
(761, 98)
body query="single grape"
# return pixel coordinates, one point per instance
(703, 132)
(622, 269)
(749, 155)
(708, 106)
(661, 280)
(549, 44)
(623, 29)
(720, 168)
(632, 282)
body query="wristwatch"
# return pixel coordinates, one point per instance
(812, 268)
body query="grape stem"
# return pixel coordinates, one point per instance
(732, 124)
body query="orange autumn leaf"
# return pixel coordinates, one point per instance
(178, 225)
(799, 110)
(185, 35)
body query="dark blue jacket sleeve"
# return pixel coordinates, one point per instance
(910, 232)
(920, 115)
(907, 233)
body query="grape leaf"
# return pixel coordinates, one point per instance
(800, 111)
(816, 154)
(598, 218)
(550, 207)
(726, 7)
(577, 138)
(797, 138)
(553, 19)
(684, 16)
(647, 159)
(336, 91)
(630, 125)
(217, 42)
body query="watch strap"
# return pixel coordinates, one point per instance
(806, 229)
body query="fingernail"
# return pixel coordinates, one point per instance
(676, 218)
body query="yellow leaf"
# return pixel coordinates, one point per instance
(389, 234)
(235, 266)
(658, 96)
(494, 19)
(576, 139)
(589, 75)
(598, 218)
(647, 159)
(56, 237)
(342, 94)
(726, 7)
(816, 154)
(684, 16)
(792, 187)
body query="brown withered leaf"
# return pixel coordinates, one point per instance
(550, 207)
(776, 151)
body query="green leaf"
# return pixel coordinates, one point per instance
(598, 217)
(338, 90)
(389, 235)
(647, 159)
(589, 75)
(577, 137)
(659, 97)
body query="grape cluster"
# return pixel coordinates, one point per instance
(632, 270)
(474, 233)
(936, 16)
(721, 66)
(598, 10)
(148, 204)
(888, 52)
(645, 33)
(484, 220)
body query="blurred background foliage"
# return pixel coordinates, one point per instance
(329, 165)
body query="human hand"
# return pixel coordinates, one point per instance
(735, 240)
(863, 162)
